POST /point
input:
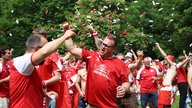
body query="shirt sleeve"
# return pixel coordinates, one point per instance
(125, 73)
(24, 64)
(86, 55)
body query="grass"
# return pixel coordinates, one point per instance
(175, 103)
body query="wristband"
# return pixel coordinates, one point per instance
(44, 85)
(95, 35)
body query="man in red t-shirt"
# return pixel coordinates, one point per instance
(4, 76)
(25, 84)
(104, 73)
(182, 80)
(146, 77)
(50, 71)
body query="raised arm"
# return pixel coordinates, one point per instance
(77, 52)
(134, 55)
(50, 47)
(184, 52)
(183, 62)
(164, 54)
(95, 35)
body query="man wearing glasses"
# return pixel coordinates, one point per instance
(106, 74)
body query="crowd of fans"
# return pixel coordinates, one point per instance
(43, 78)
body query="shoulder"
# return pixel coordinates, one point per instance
(88, 54)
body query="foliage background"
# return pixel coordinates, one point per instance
(136, 24)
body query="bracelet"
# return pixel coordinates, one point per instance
(95, 35)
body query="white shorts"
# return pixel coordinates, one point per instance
(4, 102)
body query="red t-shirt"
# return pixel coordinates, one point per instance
(181, 74)
(25, 84)
(146, 82)
(4, 87)
(55, 58)
(103, 77)
(46, 71)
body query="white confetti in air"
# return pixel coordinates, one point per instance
(114, 32)
(89, 35)
(157, 3)
(105, 7)
(89, 17)
(114, 21)
(150, 20)
(99, 13)
(89, 20)
(170, 40)
(160, 9)
(12, 11)
(153, 2)
(17, 21)
(171, 20)
(34, 1)
(135, 1)
(190, 45)
(10, 34)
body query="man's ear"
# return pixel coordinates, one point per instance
(35, 49)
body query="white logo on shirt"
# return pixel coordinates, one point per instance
(101, 70)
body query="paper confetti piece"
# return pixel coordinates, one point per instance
(160, 9)
(150, 20)
(153, 2)
(17, 21)
(10, 34)
(190, 45)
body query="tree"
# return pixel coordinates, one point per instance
(136, 24)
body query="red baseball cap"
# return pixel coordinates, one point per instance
(171, 57)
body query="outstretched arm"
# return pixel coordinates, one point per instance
(50, 47)
(77, 52)
(71, 47)
(95, 35)
(134, 55)
(163, 53)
